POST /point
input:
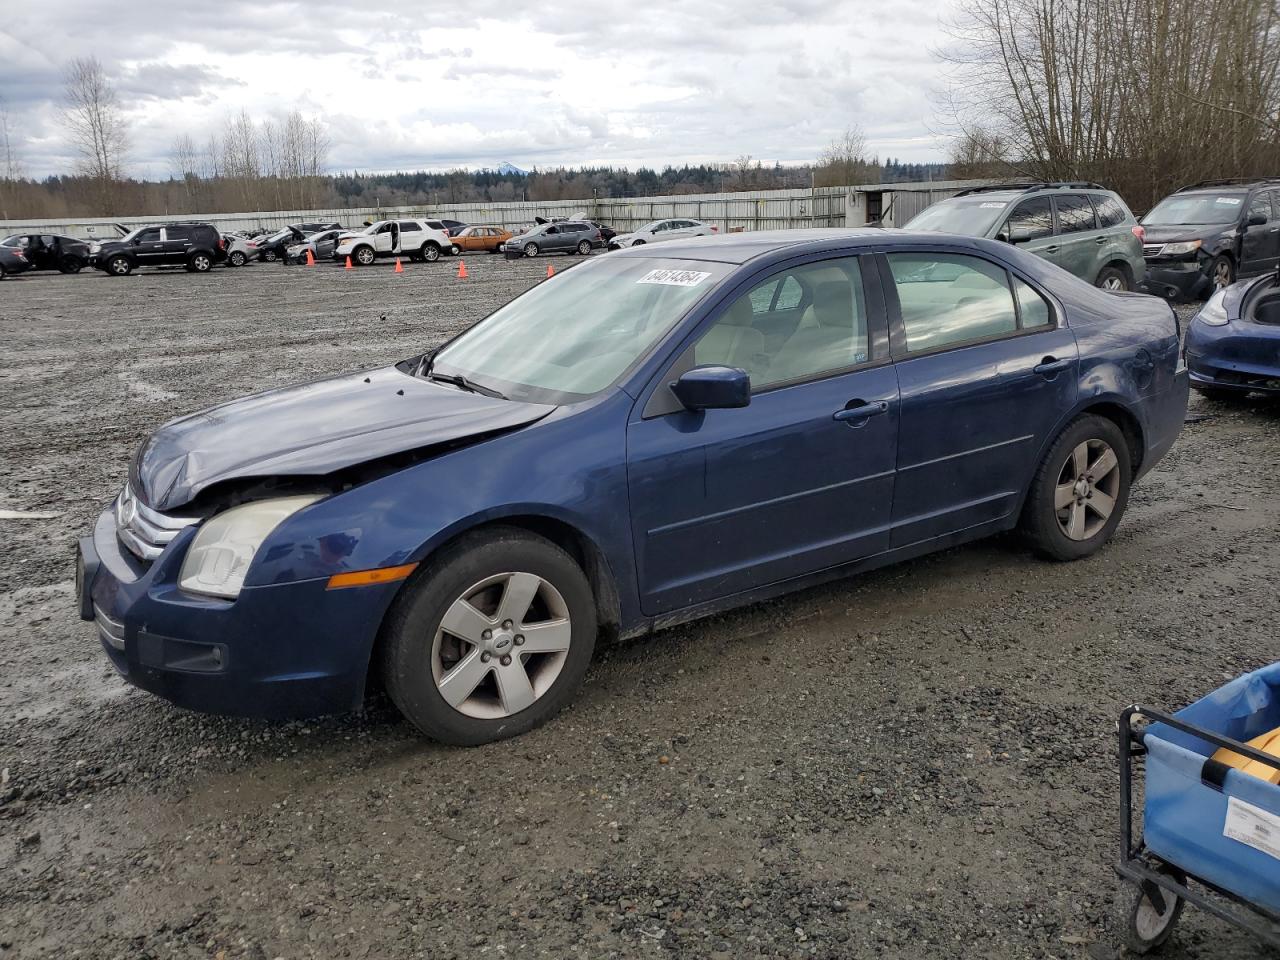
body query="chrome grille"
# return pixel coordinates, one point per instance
(145, 532)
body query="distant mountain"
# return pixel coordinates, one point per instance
(511, 170)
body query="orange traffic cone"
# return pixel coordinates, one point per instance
(348, 263)
(551, 271)
(311, 260)
(462, 270)
(399, 266)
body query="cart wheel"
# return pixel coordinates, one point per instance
(1150, 925)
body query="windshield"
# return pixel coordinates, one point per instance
(1196, 208)
(574, 335)
(971, 216)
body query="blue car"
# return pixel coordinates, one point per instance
(1233, 343)
(650, 437)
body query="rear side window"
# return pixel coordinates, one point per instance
(1030, 220)
(1033, 309)
(951, 298)
(410, 225)
(1111, 212)
(1075, 213)
(178, 233)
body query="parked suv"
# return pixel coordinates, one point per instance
(196, 246)
(416, 239)
(1210, 234)
(566, 236)
(48, 252)
(1082, 227)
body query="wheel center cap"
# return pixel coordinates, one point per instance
(501, 642)
(1083, 488)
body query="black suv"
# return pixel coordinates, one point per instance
(196, 246)
(1209, 234)
(50, 252)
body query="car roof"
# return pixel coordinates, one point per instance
(738, 248)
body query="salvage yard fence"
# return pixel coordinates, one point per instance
(890, 204)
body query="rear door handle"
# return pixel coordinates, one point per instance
(1050, 366)
(860, 411)
(1053, 249)
(1100, 240)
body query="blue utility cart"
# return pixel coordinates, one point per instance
(1211, 833)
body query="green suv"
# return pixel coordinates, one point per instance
(1082, 227)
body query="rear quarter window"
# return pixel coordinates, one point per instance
(1111, 212)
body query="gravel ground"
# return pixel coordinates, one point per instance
(915, 763)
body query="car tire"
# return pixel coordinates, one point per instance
(200, 263)
(584, 248)
(469, 583)
(1112, 278)
(70, 264)
(430, 252)
(455, 250)
(363, 256)
(1222, 272)
(119, 266)
(530, 249)
(637, 243)
(270, 256)
(237, 258)
(1080, 491)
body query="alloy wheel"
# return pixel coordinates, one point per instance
(501, 645)
(1222, 274)
(1088, 484)
(364, 256)
(1112, 283)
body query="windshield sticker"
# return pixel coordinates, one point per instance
(674, 278)
(992, 206)
(1229, 201)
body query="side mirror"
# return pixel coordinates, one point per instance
(713, 388)
(1257, 219)
(1003, 237)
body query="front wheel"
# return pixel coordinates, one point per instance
(270, 256)
(530, 249)
(1080, 491)
(119, 266)
(1112, 278)
(1222, 272)
(490, 639)
(1154, 913)
(365, 256)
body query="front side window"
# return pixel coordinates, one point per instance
(544, 347)
(1075, 214)
(149, 236)
(776, 343)
(1261, 204)
(1030, 220)
(950, 298)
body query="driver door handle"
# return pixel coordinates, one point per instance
(857, 412)
(1051, 366)
(1053, 249)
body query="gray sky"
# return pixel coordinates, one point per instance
(436, 85)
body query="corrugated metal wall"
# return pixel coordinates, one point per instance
(754, 210)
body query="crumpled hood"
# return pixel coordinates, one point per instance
(1173, 233)
(314, 429)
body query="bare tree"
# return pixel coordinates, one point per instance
(978, 154)
(99, 131)
(10, 165)
(844, 161)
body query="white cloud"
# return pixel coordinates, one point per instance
(441, 85)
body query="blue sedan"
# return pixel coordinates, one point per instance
(650, 437)
(1233, 343)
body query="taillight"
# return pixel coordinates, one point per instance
(715, 229)
(1140, 232)
(222, 243)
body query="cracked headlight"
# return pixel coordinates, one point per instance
(219, 557)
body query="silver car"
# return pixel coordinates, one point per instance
(660, 230)
(563, 236)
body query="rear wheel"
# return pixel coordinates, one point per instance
(119, 266)
(70, 264)
(1080, 491)
(1154, 913)
(1222, 272)
(430, 252)
(200, 263)
(490, 639)
(237, 258)
(1112, 278)
(584, 248)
